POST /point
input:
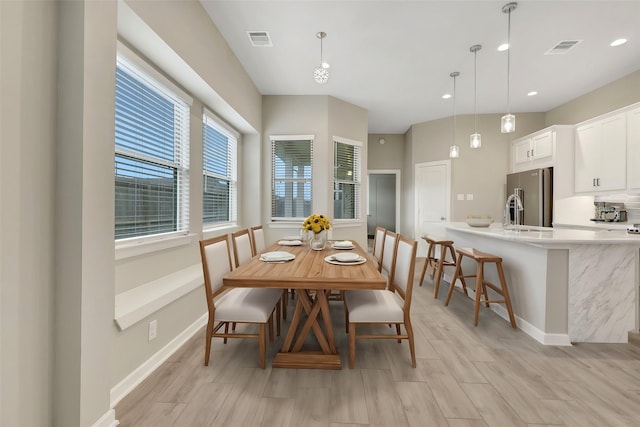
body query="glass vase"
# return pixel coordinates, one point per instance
(317, 241)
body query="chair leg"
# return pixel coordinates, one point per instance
(505, 292)
(346, 318)
(352, 344)
(263, 346)
(270, 324)
(207, 345)
(226, 331)
(424, 268)
(398, 332)
(412, 347)
(285, 299)
(278, 312)
(437, 277)
(479, 286)
(453, 281)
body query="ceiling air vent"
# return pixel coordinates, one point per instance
(563, 47)
(259, 38)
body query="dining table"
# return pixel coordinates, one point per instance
(313, 275)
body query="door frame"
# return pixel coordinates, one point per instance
(398, 174)
(416, 217)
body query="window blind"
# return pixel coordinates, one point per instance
(151, 156)
(219, 172)
(346, 179)
(291, 173)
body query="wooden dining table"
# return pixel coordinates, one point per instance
(313, 279)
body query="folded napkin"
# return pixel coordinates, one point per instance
(287, 242)
(343, 243)
(277, 256)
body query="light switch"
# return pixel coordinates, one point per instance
(469, 196)
(460, 196)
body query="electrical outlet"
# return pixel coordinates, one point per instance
(153, 329)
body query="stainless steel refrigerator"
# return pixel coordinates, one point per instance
(535, 189)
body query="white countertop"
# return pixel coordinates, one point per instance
(549, 236)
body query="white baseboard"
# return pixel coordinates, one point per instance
(107, 420)
(125, 386)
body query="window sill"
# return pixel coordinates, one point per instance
(141, 247)
(135, 304)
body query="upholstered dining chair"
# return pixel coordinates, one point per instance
(385, 306)
(378, 242)
(257, 247)
(242, 250)
(257, 240)
(388, 255)
(235, 305)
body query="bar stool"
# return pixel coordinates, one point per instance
(437, 265)
(481, 284)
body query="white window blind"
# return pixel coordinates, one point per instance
(291, 177)
(151, 155)
(220, 148)
(346, 179)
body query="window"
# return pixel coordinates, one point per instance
(346, 179)
(219, 165)
(151, 151)
(291, 164)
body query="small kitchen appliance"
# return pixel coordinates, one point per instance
(608, 212)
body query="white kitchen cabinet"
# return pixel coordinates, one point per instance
(533, 148)
(600, 154)
(633, 147)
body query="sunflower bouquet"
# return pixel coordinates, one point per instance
(316, 223)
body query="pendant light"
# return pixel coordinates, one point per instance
(454, 150)
(475, 140)
(321, 73)
(508, 121)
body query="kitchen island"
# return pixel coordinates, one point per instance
(566, 285)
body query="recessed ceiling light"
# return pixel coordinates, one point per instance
(618, 42)
(446, 96)
(503, 47)
(532, 93)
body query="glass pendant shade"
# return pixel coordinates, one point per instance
(454, 151)
(508, 123)
(475, 140)
(321, 75)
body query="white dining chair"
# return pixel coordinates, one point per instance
(242, 250)
(257, 240)
(388, 255)
(235, 305)
(378, 242)
(390, 306)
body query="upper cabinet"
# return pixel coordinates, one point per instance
(633, 148)
(533, 148)
(600, 154)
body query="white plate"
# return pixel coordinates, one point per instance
(343, 247)
(331, 260)
(277, 256)
(291, 238)
(290, 242)
(346, 257)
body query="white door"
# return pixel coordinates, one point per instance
(432, 196)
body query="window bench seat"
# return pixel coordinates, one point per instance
(135, 304)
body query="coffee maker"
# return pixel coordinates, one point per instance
(609, 212)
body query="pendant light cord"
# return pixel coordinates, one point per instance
(509, 63)
(475, 91)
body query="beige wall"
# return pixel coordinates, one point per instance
(28, 54)
(615, 95)
(389, 155)
(324, 117)
(481, 172)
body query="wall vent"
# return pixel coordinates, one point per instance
(259, 38)
(563, 47)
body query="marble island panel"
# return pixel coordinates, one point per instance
(567, 285)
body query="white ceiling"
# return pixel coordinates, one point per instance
(394, 58)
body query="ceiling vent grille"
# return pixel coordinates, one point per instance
(563, 47)
(259, 38)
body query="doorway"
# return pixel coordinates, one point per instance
(432, 196)
(383, 209)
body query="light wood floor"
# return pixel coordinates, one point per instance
(490, 375)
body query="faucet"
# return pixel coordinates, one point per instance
(515, 200)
